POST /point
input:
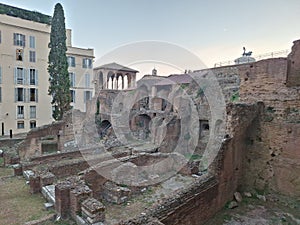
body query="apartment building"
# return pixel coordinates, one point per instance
(24, 80)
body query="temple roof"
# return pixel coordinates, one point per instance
(116, 66)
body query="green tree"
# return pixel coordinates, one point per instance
(59, 80)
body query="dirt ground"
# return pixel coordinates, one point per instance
(276, 210)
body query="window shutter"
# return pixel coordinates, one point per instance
(28, 113)
(16, 94)
(23, 37)
(36, 78)
(74, 81)
(36, 95)
(84, 96)
(24, 76)
(26, 94)
(28, 77)
(0, 75)
(15, 75)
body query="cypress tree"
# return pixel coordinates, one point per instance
(59, 80)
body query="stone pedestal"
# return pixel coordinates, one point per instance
(77, 196)
(93, 211)
(35, 185)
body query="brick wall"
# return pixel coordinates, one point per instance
(273, 157)
(293, 78)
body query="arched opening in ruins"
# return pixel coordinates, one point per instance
(110, 80)
(126, 81)
(119, 81)
(105, 128)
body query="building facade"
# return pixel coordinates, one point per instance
(24, 80)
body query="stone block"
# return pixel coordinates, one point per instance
(47, 179)
(48, 205)
(116, 194)
(77, 196)
(27, 174)
(49, 193)
(238, 197)
(93, 211)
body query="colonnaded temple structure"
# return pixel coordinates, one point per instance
(114, 76)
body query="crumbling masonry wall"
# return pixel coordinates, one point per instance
(273, 158)
(197, 203)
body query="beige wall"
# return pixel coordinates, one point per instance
(80, 76)
(8, 63)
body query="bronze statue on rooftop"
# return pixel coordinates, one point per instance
(246, 53)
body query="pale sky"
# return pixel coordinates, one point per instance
(214, 30)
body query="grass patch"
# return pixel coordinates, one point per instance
(62, 222)
(17, 204)
(226, 217)
(4, 172)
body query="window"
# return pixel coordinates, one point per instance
(0, 94)
(72, 79)
(19, 75)
(87, 96)
(32, 124)
(19, 54)
(87, 80)
(32, 42)
(19, 94)
(0, 37)
(19, 39)
(33, 77)
(71, 61)
(72, 92)
(33, 95)
(32, 112)
(87, 63)
(31, 56)
(20, 125)
(20, 112)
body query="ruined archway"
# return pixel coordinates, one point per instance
(104, 128)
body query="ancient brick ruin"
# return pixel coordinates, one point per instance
(260, 148)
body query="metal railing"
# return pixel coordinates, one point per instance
(282, 53)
